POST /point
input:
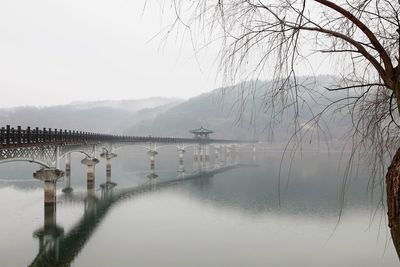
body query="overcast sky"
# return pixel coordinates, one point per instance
(57, 52)
(54, 52)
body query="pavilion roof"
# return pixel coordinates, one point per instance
(201, 130)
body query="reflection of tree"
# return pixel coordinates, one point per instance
(280, 38)
(59, 249)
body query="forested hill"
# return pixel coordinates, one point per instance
(240, 112)
(237, 112)
(100, 116)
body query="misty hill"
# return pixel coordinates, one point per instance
(100, 116)
(131, 105)
(236, 112)
(239, 112)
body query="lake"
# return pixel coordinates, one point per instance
(255, 214)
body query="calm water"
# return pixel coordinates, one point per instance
(232, 218)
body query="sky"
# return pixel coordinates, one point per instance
(58, 52)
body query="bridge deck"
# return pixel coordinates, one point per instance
(11, 137)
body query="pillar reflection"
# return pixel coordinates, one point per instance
(50, 234)
(67, 187)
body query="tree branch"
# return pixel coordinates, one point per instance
(371, 36)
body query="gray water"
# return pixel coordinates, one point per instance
(232, 218)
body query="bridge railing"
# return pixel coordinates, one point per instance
(16, 137)
(12, 137)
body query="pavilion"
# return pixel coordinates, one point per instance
(201, 133)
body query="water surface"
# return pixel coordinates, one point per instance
(233, 218)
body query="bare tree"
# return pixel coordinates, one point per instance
(360, 36)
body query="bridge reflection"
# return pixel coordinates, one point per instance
(57, 248)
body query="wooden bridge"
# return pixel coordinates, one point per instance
(47, 146)
(11, 137)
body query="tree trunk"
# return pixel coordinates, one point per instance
(393, 199)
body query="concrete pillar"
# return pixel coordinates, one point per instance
(108, 170)
(237, 154)
(202, 152)
(181, 167)
(227, 154)
(50, 194)
(223, 154)
(234, 154)
(152, 154)
(67, 187)
(90, 163)
(202, 166)
(206, 152)
(50, 233)
(196, 162)
(49, 176)
(217, 156)
(196, 153)
(254, 153)
(217, 153)
(108, 156)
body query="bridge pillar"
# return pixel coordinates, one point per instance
(90, 163)
(203, 166)
(181, 167)
(49, 176)
(67, 188)
(152, 154)
(202, 152)
(217, 153)
(234, 154)
(205, 152)
(228, 154)
(196, 152)
(223, 148)
(217, 156)
(237, 154)
(108, 156)
(221, 154)
(254, 153)
(206, 157)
